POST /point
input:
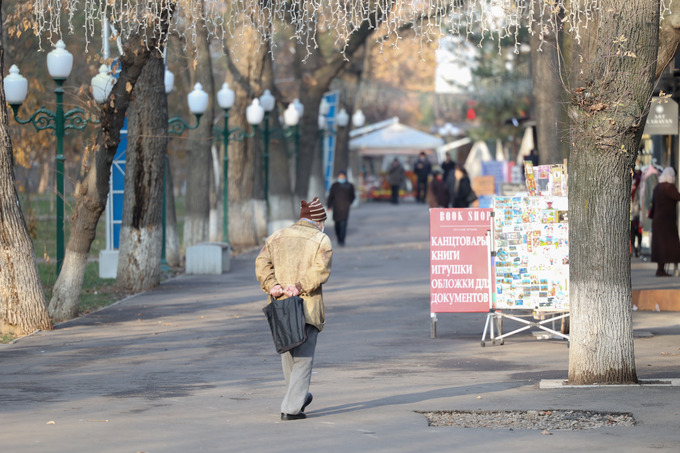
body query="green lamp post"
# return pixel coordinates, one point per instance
(254, 115)
(59, 66)
(197, 100)
(267, 101)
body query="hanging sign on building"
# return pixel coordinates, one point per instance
(663, 117)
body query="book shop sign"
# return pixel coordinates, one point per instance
(460, 260)
(662, 118)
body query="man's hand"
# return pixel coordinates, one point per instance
(276, 291)
(291, 291)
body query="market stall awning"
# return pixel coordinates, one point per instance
(396, 138)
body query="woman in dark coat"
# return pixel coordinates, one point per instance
(438, 192)
(461, 189)
(340, 198)
(395, 178)
(665, 242)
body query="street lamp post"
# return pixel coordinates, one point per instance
(225, 99)
(59, 66)
(324, 110)
(300, 109)
(291, 119)
(197, 100)
(254, 115)
(267, 102)
(358, 121)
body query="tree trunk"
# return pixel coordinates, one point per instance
(141, 235)
(247, 210)
(547, 92)
(94, 188)
(351, 77)
(608, 113)
(669, 37)
(309, 164)
(45, 172)
(22, 301)
(282, 207)
(199, 158)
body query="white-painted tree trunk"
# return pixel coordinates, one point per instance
(139, 259)
(65, 300)
(248, 223)
(139, 249)
(196, 230)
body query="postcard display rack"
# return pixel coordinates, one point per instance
(531, 243)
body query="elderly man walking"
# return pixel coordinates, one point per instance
(296, 261)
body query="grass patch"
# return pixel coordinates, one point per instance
(96, 292)
(6, 338)
(40, 215)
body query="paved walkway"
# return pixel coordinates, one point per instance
(190, 367)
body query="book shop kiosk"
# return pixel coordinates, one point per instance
(510, 261)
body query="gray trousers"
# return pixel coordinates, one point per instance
(297, 369)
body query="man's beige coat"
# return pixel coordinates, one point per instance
(299, 255)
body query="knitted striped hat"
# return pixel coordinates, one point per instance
(313, 210)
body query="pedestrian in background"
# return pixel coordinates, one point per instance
(438, 193)
(665, 242)
(340, 198)
(395, 178)
(447, 166)
(422, 169)
(296, 261)
(462, 193)
(635, 226)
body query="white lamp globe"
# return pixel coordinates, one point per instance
(59, 62)
(358, 119)
(343, 118)
(102, 84)
(291, 116)
(324, 107)
(16, 87)
(225, 97)
(255, 113)
(267, 101)
(299, 107)
(323, 124)
(198, 100)
(169, 81)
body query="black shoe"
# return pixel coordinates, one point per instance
(308, 401)
(299, 416)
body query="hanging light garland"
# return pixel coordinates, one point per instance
(430, 19)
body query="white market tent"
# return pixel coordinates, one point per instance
(395, 139)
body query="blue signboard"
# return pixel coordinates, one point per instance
(114, 206)
(329, 139)
(497, 169)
